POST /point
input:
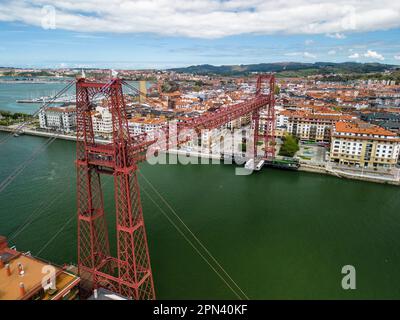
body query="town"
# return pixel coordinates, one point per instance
(347, 128)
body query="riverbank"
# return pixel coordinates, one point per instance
(348, 175)
(303, 167)
(32, 132)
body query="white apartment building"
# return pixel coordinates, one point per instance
(102, 121)
(145, 125)
(61, 119)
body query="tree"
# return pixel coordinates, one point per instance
(169, 86)
(289, 147)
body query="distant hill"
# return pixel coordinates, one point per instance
(288, 68)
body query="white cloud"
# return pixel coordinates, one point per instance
(309, 55)
(354, 56)
(336, 35)
(397, 57)
(332, 52)
(293, 54)
(370, 54)
(87, 36)
(309, 42)
(374, 55)
(210, 18)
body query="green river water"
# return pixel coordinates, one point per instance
(279, 234)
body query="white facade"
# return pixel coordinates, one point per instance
(102, 121)
(58, 118)
(139, 126)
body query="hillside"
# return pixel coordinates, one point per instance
(288, 68)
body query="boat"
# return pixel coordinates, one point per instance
(49, 99)
(249, 165)
(285, 163)
(259, 165)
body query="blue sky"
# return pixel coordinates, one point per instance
(73, 42)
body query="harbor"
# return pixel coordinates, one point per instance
(62, 99)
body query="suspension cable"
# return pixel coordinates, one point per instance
(192, 234)
(192, 245)
(55, 235)
(24, 164)
(36, 214)
(136, 90)
(43, 107)
(59, 231)
(40, 149)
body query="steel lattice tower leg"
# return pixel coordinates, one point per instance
(133, 256)
(269, 125)
(134, 271)
(93, 245)
(130, 273)
(256, 130)
(269, 130)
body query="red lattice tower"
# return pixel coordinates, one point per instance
(268, 131)
(128, 274)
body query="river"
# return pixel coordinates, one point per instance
(279, 234)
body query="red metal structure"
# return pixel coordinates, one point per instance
(261, 102)
(129, 274)
(269, 117)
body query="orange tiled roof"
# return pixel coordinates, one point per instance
(61, 109)
(321, 116)
(362, 128)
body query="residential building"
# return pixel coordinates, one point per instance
(23, 277)
(102, 121)
(387, 120)
(309, 126)
(61, 119)
(239, 122)
(214, 138)
(362, 144)
(141, 125)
